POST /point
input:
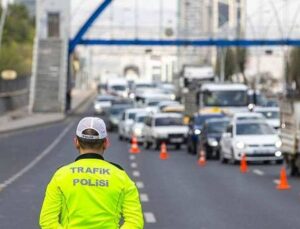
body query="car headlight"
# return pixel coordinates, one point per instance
(197, 132)
(213, 142)
(137, 131)
(278, 153)
(278, 144)
(240, 145)
(173, 96)
(97, 106)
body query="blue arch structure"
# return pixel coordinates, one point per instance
(78, 39)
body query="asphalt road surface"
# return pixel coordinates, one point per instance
(175, 193)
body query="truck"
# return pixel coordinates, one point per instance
(227, 97)
(290, 132)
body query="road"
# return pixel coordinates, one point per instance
(176, 193)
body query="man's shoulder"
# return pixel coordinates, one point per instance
(116, 165)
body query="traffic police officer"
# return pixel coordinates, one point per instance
(91, 193)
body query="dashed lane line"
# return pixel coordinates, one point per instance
(36, 160)
(144, 197)
(140, 184)
(258, 172)
(149, 217)
(132, 157)
(136, 173)
(133, 165)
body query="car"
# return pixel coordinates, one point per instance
(210, 136)
(272, 115)
(102, 103)
(136, 129)
(126, 122)
(195, 128)
(118, 87)
(256, 139)
(247, 116)
(115, 114)
(162, 104)
(164, 127)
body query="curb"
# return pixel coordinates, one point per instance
(54, 120)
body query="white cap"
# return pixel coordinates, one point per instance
(94, 123)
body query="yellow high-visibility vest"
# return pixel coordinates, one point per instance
(91, 193)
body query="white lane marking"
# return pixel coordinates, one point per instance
(276, 181)
(136, 173)
(144, 197)
(149, 217)
(140, 184)
(132, 157)
(133, 165)
(258, 172)
(37, 159)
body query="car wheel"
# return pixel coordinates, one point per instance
(120, 137)
(233, 159)
(156, 144)
(223, 160)
(146, 144)
(178, 146)
(279, 162)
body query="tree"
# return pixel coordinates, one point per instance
(18, 35)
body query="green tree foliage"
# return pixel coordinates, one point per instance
(235, 62)
(17, 45)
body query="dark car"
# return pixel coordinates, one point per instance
(195, 128)
(210, 136)
(114, 115)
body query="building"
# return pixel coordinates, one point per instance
(205, 19)
(30, 5)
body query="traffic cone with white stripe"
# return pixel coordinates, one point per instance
(163, 152)
(134, 149)
(202, 159)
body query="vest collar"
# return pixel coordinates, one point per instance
(90, 156)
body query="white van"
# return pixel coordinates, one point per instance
(118, 87)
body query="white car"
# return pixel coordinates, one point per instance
(272, 115)
(136, 129)
(126, 122)
(102, 103)
(164, 127)
(257, 139)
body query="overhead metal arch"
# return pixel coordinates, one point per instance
(78, 39)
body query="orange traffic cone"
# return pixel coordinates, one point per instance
(283, 184)
(202, 159)
(134, 149)
(244, 166)
(163, 152)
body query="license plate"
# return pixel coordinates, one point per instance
(176, 140)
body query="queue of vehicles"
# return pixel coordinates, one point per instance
(222, 125)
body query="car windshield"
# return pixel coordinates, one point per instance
(254, 129)
(225, 98)
(168, 121)
(117, 110)
(199, 120)
(270, 114)
(249, 118)
(131, 116)
(140, 119)
(153, 103)
(216, 127)
(118, 88)
(104, 99)
(144, 86)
